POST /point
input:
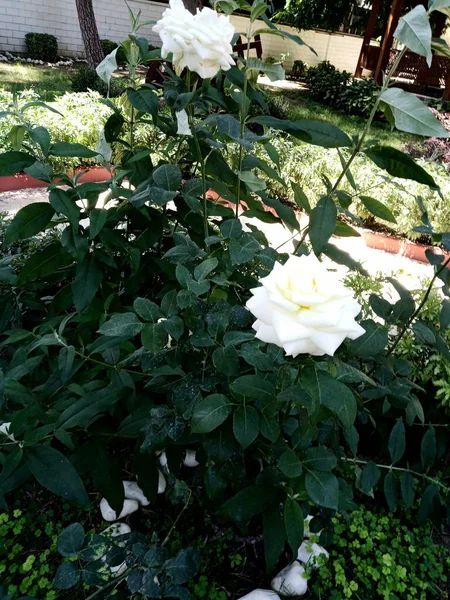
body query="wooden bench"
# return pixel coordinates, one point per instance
(155, 73)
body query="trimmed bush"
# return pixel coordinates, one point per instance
(326, 83)
(108, 46)
(86, 79)
(42, 46)
(299, 70)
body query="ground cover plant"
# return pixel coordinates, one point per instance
(49, 82)
(157, 354)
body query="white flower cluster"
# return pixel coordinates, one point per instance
(304, 309)
(291, 581)
(200, 42)
(63, 62)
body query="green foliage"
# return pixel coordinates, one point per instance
(358, 97)
(374, 555)
(108, 46)
(127, 334)
(326, 83)
(299, 70)
(85, 79)
(42, 46)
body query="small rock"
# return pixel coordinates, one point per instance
(261, 595)
(291, 581)
(309, 552)
(161, 483)
(134, 492)
(190, 459)
(162, 459)
(129, 507)
(118, 570)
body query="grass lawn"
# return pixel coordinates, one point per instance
(48, 82)
(301, 107)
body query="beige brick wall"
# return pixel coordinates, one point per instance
(59, 17)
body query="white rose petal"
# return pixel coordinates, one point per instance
(161, 483)
(129, 507)
(200, 42)
(309, 552)
(291, 581)
(4, 429)
(134, 492)
(261, 595)
(190, 459)
(183, 123)
(304, 309)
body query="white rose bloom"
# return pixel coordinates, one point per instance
(200, 42)
(304, 309)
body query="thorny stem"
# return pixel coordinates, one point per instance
(419, 308)
(373, 112)
(403, 470)
(242, 120)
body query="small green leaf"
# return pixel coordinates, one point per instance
(71, 540)
(67, 576)
(391, 490)
(226, 360)
(122, 324)
(322, 223)
(206, 267)
(167, 177)
(147, 310)
(14, 162)
(253, 386)
(64, 149)
(414, 32)
(369, 477)
(145, 100)
(44, 263)
(246, 424)
(29, 221)
(290, 464)
(97, 220)
(397, 442)
(209, 413)
(323, 488)
(378, 209)
(429, 498)
(428, 449)
(294, 524)
(372, 343)
(65, 205)
(154, 337)
(250, 501)
(88, 279)
(274, 535)
(407, 488)
(319, 459)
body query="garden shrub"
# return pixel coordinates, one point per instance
(358, 97)
(132, 338)
(85, 79)
(326, 83)
(42, 46)
(374, 555)
(108, 46)
(435, 149)
(299, 70)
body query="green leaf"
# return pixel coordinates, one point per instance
(323, 488)
(56, 473)
(246, 424)
(300, 198)
(250, 501)
(397, 442)
(147, 310)
(41, 136)
(423, 333)
(407, 488)
(274, 535)
(71, 150)
(167, 177)
(378, 209)
(253, 386)
(14, 162)
(319, 459)
(144, 100)
(399, 164)
(231, 228)
(184, 566)
(107, 67)
(391, 490)
(414, 32)
(322, 223)
(373, 342)
(370, 477)
(44, 263)
(174, 326)
(411, 114)
(428, 449)
(154, 337)
(67, 576)
(206, 267)
(209, 413)
(122, 324)
(427, 506)
(29, 221)
(243, 249)
(274, 72)
(313, 132)
(440, 5)
(65, 362)
(294, 524)
(290, 464)
(226, 361)
(444, 317)
(97, 220)
(87, 281)
(65, 205)
(71, 540)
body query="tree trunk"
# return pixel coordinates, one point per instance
(89, 32)
(192, 5)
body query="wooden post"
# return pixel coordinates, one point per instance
(388, 37)
(367, 37)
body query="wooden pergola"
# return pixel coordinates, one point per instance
(387, 40)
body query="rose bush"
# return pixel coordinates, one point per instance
(303, 309)
(126, 338)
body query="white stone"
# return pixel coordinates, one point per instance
(291, 581)
(4, 428)
(161, 483)
(309, 552)
(129, 507)
(118, 570)
(261, 595)
(134, 492)
(190, 459)
(162, 459)
(117, 529)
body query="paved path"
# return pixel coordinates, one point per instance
(409, 272)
